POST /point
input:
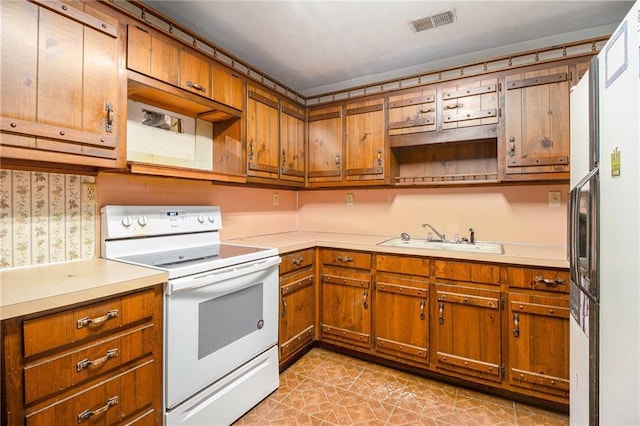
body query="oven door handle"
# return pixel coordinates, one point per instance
(219, 275)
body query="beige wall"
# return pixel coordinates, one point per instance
(245, 211)
(500, 213)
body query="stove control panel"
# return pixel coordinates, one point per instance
(143, 221)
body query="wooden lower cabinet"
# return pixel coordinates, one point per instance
(99, 363)
(539, 344)
(297, 304)
(466, 331)
(401, 314)
(346, 298)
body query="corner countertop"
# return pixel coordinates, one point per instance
(535, 255)
(28, 290)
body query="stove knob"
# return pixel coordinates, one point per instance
(126, 221)
(142, 221)
(212, 218)
(200, 218)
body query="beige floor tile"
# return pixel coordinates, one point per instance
(330, 389)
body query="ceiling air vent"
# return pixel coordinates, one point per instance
(433, 21)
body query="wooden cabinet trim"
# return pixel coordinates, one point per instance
(486, 368)
(535, 81)
(80, 16)
(412, 123)
(296, 285)
(30, 128)
(393, 347)
(470, 116)
(422, 293)
(527, 379)
(427, 99)
(325, 116)
(466, 299)
(490, 88)
(364, 109)
(562, 160)
(262, 99)
(362, 338)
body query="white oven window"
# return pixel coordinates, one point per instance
(226, 319)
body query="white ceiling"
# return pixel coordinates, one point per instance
(315, 47)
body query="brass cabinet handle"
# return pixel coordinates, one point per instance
(86, 321)
(251, 149)
(441, 312)
(516, 325)
(379, 157)
(337, 161)
(86, 363)
(110, 112)
(453, 106)
(366, 295)
(284, 307)
(426, 111)
(345, 259)
(86, 414)
(548, 281)
(422, 316)
(284, 158)
(195, 86)
(512, 146)
(297, 261)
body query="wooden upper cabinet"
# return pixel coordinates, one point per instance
(469, 104)
(539, 343)
(59, 89)
(365, 148)
(412, 112)
(263, 156)
(537, 123)
(195, 73)
(228, 87)
(325, 145)
(292, 142)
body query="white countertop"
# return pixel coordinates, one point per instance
(517, 254)
(27, 290)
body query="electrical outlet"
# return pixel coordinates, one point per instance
(349, 198)
(276, 199)
(555, 199)
(89, 192)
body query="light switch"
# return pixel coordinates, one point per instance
(555, 199)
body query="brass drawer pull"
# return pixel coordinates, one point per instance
(284, 307)
(422, 316)
(86, 414)
(86, 321)
(195, 86)
(548, 281)
(366, 295)
(345, 259)
(86, 363)
(453, 106)
(516, 325)
(441, 313)
(297, 261)
(109, 124)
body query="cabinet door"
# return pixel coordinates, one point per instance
(325, 145)
(346, 298)
(59, 90)
(195, 73)
(470, 104)
(297, 312)
(466, 331)
(539, 343)
(401, 317)
(537, 122)
(292, 143)
(365, 141)
(228, 87)
(262, 134)
(412, 112)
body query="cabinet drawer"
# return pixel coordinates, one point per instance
(467, 271)
(62, 371)
(74, 325)
(110, 402)
(403, 264)
(296, 260)
(347, 258)
(556, 280)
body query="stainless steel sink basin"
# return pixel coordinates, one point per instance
(492, 248)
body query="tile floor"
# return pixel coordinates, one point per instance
(326, 388)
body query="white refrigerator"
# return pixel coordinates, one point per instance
(604, 234)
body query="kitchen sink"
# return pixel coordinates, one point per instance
(492, 248)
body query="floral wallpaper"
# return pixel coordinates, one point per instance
(46, 217)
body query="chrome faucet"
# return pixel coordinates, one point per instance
(441, 236)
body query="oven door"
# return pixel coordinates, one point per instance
(225, 318)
